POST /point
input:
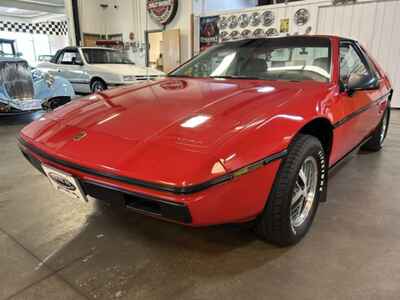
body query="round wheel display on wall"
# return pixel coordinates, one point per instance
(268, 18)
(255, 19)
(301, 17)
(235, 35)
(233, 22)
(259, 33)
(246, 33)
(244, 20)
(223, 23)
(224, 36)
(272, 32)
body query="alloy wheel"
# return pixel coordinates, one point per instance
(97, 87)
(304, 193)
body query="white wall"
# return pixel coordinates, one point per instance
(182, 21)
(375, 24)
(201, 7)
(132, 16)
(116, 18)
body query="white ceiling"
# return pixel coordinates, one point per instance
(31, 9)
(47, 6)
(20, 13)
(46, 2)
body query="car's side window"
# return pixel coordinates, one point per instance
(68, 57)
(351, 63)
(372, 66)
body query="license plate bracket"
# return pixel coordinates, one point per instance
(65, 183)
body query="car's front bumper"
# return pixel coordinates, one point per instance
(236, 200)
(21, 105)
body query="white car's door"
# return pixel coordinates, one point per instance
(70, 66)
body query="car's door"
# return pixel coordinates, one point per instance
(51, 66)
(70, 66)
(360, 114)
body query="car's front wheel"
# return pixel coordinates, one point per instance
(97, 85)
(295, 195)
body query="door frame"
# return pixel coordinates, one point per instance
(146, 39)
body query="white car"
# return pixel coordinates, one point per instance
(93, 69)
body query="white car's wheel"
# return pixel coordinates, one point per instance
(97, 85)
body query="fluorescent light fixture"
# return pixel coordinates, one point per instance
(195, 121)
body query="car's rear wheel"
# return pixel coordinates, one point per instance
(97, 85)
(294, 198)
(378, 137)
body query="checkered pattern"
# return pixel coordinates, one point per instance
(54, 28)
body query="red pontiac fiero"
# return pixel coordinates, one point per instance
(248, 130)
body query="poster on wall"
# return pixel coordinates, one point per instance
(209, 32)
(284, 26)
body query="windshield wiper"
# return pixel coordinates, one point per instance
(237, 77)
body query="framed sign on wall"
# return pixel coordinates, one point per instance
(209, 32)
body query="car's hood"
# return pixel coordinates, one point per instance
(125, 69)
(167, 132)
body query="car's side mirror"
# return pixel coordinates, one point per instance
(357, 82)
(77, 61)
(18, 54)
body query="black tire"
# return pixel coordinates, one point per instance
(377, 139)
(53, 103)
(274, 224)
(97, 85)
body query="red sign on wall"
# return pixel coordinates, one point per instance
(163, 11)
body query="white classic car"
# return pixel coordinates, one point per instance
(93, 69)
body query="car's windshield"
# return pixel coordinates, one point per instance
(292, 58)
(105, 56)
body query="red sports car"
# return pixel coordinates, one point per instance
(248, 130)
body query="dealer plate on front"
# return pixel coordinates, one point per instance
(64, 183)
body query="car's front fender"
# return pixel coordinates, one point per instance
(60, 87)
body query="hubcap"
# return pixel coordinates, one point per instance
(97, 87)
(384, 127)
(304, 192)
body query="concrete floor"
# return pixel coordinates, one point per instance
(52, 247)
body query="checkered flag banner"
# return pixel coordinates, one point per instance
(52, 27)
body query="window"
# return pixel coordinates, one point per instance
(105, 56)
(351, 62)
(67, 57)
(290, 59)
(6, 49)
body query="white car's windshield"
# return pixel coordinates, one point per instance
(105, 56)
(291, 58)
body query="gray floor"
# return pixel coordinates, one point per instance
(52, 247)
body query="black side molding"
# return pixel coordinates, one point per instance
(361, 110)
(179, 190)
(340, 161)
